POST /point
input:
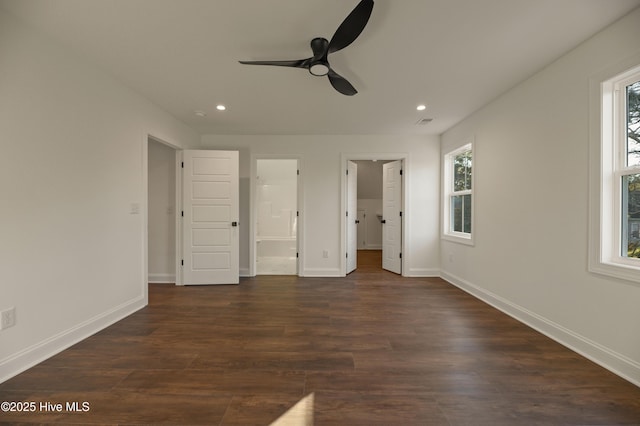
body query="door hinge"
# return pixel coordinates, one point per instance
(297, 214)
(347, 255)
(400, 214)
(400, 172)
(298, 172)
(297, 255)
(347, 172)
(400, 255)
(182, 213)
(347, 214)
(182, 164)
(182, 262)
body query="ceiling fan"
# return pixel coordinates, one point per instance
(318, 64)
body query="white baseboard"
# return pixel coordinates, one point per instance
(29, 357)
(245, 272)
(322, 272)
(617, 363)
(422, 273)
(162, 278)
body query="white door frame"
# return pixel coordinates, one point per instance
(343, 201)
(254, 215)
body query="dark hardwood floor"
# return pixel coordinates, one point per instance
(374, 348)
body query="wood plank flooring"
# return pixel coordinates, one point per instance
(374, 348)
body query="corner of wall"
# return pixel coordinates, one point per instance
(601, 355)
(29, 357)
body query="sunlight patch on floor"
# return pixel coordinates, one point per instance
(300, 414)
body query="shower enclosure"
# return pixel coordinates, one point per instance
(276, 231)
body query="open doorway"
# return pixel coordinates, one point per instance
(161, 212)
(276, 201)
(369, 204)
(375, 216)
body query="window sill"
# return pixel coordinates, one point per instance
(616, 270)
(465, 239)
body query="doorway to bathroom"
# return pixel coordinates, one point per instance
(276, 202)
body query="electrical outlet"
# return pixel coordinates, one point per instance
(8, 318)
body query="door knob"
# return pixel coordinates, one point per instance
(234, 223)
(383, 221)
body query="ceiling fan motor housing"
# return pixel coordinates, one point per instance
(319, 65)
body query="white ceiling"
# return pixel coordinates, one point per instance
(453, 55)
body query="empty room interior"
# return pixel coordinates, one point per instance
(320, 212)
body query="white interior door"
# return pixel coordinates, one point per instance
(210, 204)
(352, 216)
(392, 216)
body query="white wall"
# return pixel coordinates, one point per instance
(531, 191)
(321, 170)
(72, 165)
(372, 238)
(277, 200)
(370, 179)
(162, 208)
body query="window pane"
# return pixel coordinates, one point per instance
(467, 213)
(456, 213)
(459, 172)
(633, 124)
(631, 215)
(469, 162)
(461, 213)
(462, 171)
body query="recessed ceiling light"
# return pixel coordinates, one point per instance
(200, 113)
(221, 107)
(421, 107)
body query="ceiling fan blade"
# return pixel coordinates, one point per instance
(300, 63)
(352, 26)
(341, 84)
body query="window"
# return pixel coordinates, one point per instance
(629, 169)
(615, 246)
(458, 195)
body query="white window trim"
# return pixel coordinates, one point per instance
(447, 191)
(605, 190)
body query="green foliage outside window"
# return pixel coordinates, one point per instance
(462, 181)
(462, 167)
